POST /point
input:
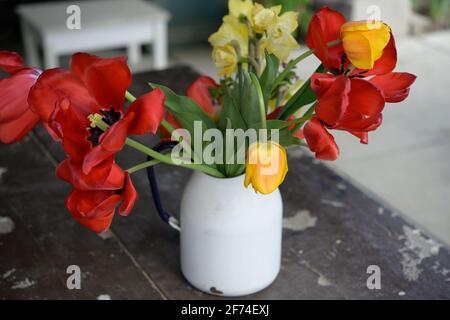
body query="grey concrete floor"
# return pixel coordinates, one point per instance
(407, 161)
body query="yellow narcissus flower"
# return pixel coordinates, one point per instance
(263, 18)
(240, 8)
(225, 58)
(266, 166)
(364, 42)
(231, 36)
(280, 41)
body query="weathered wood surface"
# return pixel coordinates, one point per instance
(333, 233)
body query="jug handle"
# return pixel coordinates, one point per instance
(163, 213)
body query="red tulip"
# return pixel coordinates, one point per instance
(65, 100)
(199, 91)
(16, 118)
(95, 209)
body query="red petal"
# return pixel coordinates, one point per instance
(10, 62)
(170, 118)
(129, 197)
(199, 92)
(93, 209)
(14, 94)
(395, 85)
(16, 118)
(333, 99)
(15, 130)
(106, 176)
(325, 27)
(55, 85)
(148, 111)
(107, 79)
(320, 141)
(365, 98)
(111, 141)
(71, 130)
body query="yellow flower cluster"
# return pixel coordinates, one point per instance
(248, 23)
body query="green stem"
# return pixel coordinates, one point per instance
(262, 105)
(171, 129)
(143, 165)
(129, 97)
(168, 160)
(159, 156)
(297, 60)
(301, 121)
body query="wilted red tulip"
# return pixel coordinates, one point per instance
(95, 209)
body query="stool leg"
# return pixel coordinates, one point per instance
(160, 44)
(30, 45)
(134, 54)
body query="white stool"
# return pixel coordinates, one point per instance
(105, 24)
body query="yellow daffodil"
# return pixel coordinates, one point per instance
(262, 18)
(266, 166)
(240, 8)
(225, 58)
(279, 40)
(229, 42)
(364, 42)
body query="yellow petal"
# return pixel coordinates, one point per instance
(262, 18)
(240, 8)
(364, 42)
(266, 167)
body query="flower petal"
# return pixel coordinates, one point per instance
(10, 62)
(395, 85)
(199, 92)
(107, 79)
(15, 130)
(333, 99)
(93, 209)
(110, 142)
(129, 197)
(325, 27)
(365, 98)
(320, 141)
(56, 85)
(105, 176)
(148, 113)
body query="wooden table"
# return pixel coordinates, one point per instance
(103, 24)
(333, 233)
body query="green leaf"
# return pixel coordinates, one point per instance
(185, 110)
(269, 75)
(230, 114)
(301, 98)
(249, 107)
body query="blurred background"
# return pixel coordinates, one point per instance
(407, 160)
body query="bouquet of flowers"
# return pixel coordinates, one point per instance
(240, 125)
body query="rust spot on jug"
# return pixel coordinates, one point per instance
(214, 290)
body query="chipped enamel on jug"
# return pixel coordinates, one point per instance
(230, 236)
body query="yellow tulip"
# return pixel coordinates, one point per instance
(266, 166)
(225, 58)
(262, 17)
(364, 42)
(231, 36)
(240, 8)
(279, 40)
